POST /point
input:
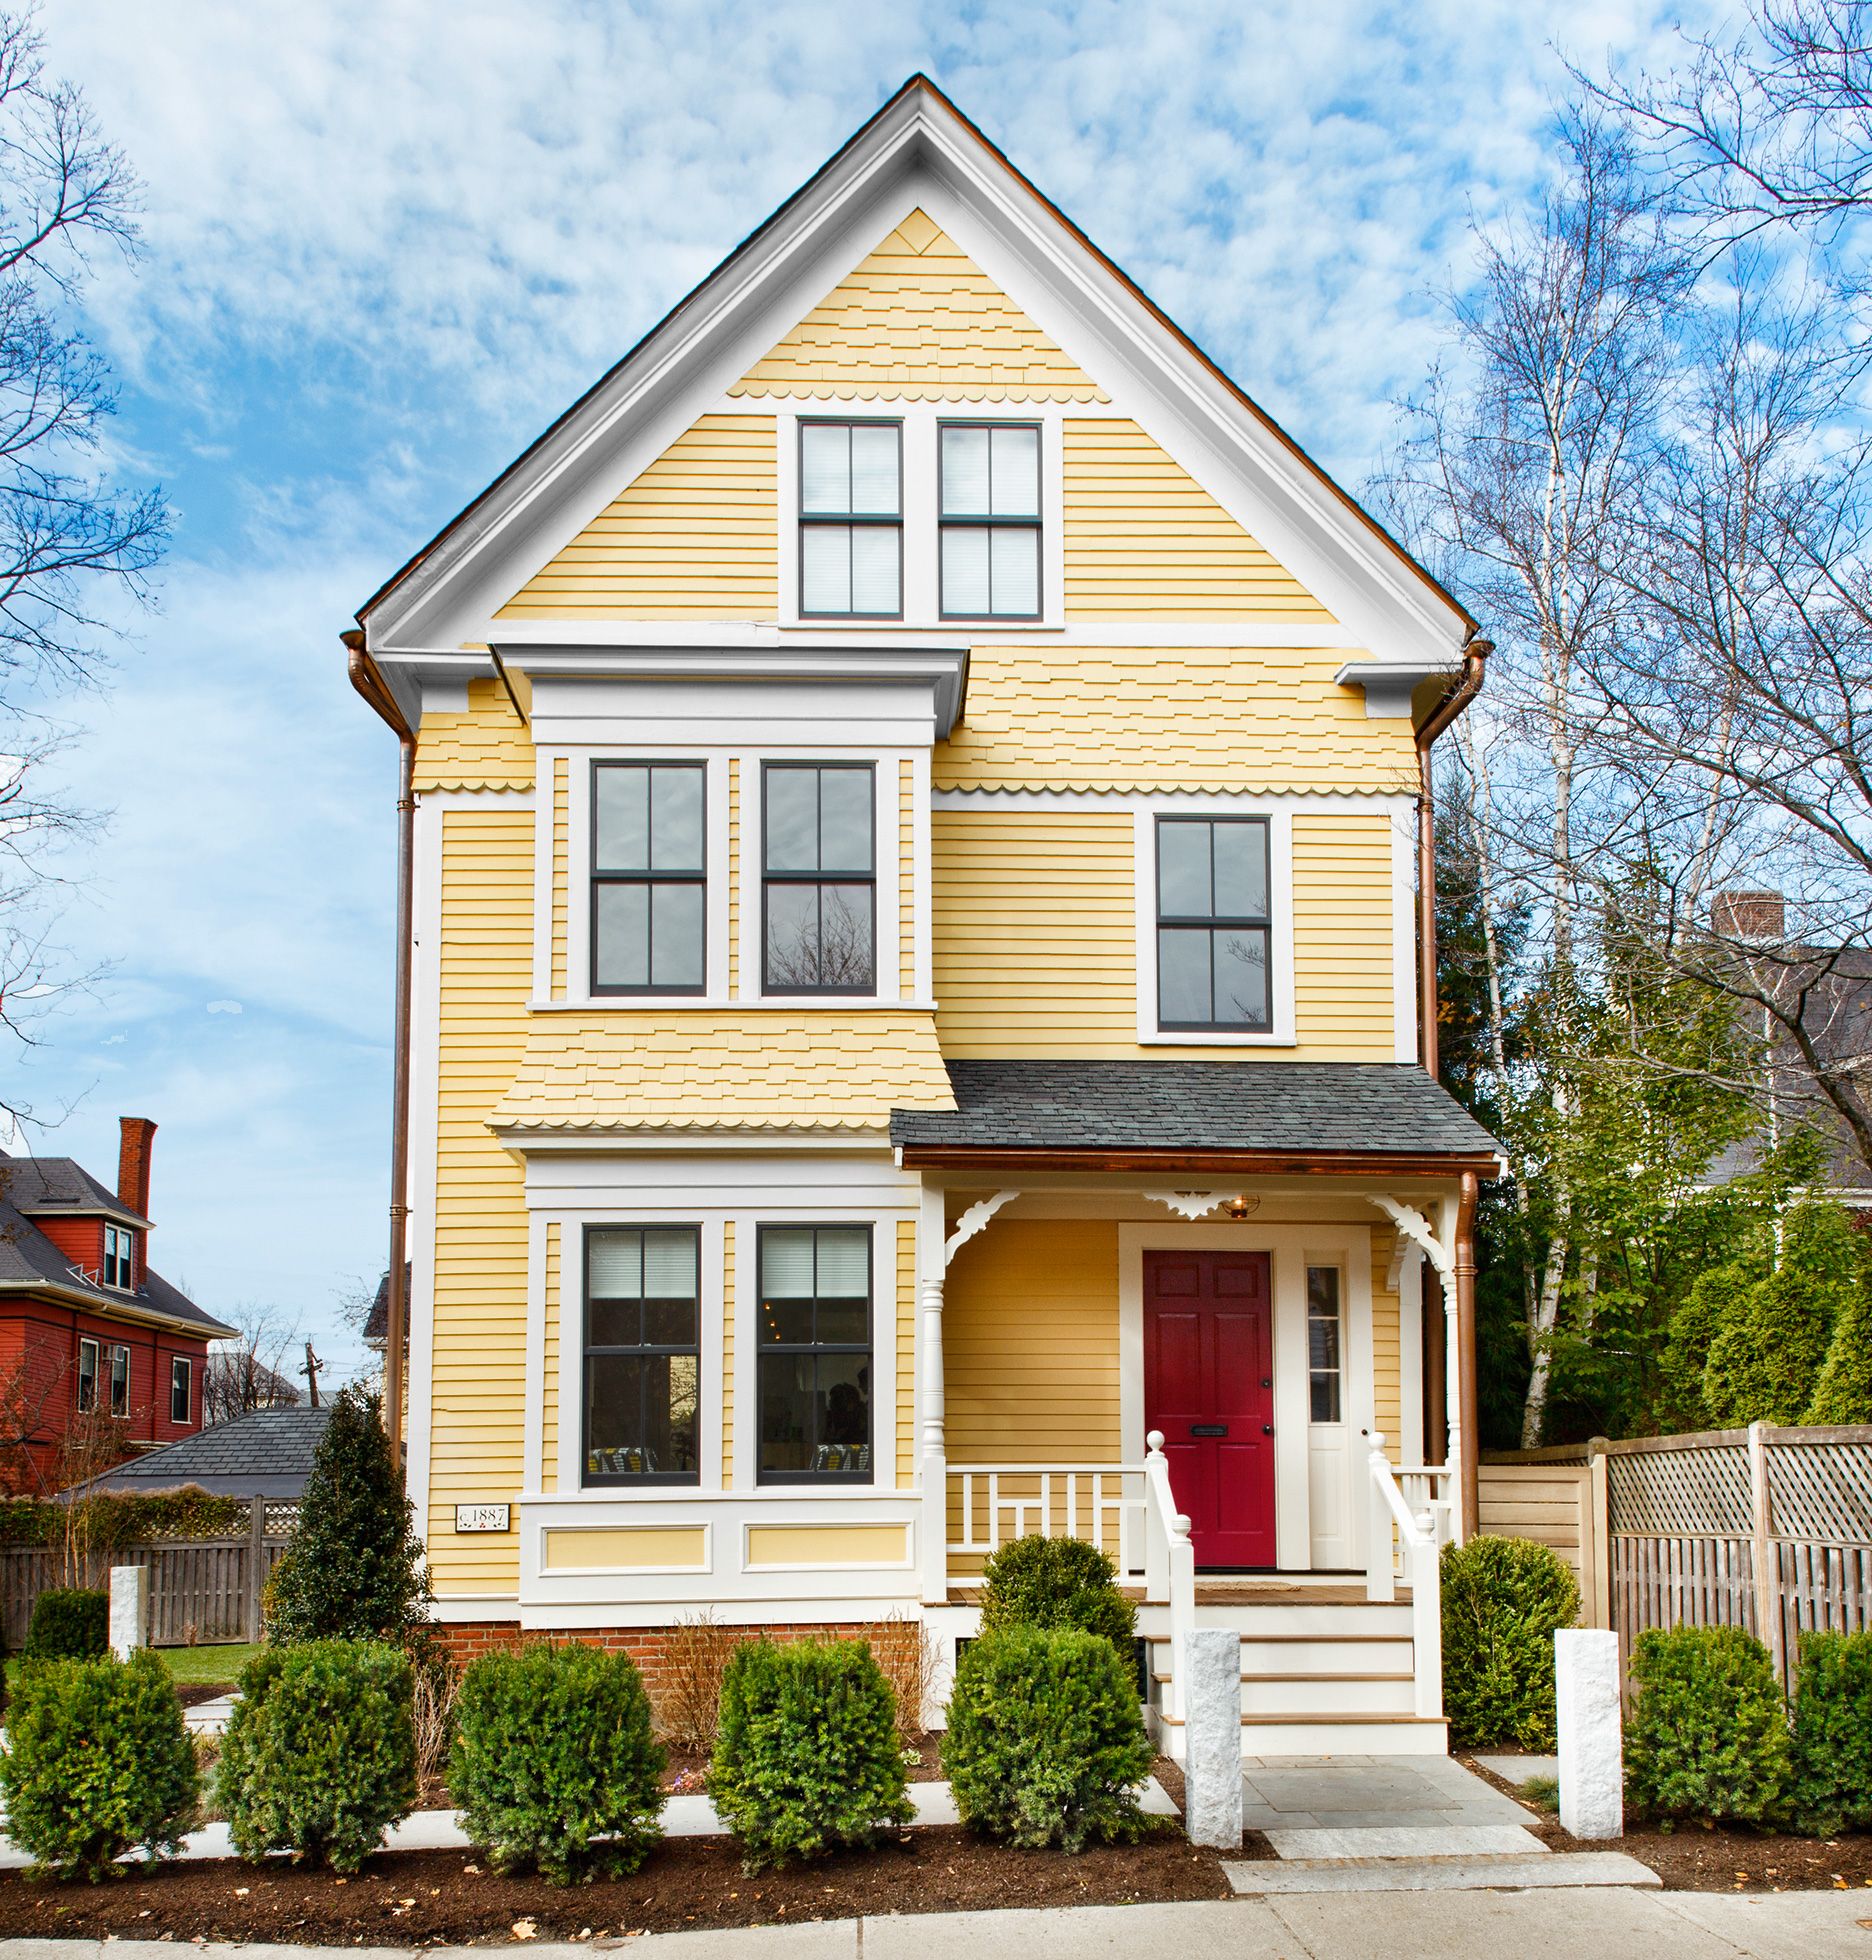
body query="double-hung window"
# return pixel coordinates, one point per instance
(181, 1387)
(117, 1244)
(851, 520)
(120, 1381)
(990, 520)
(1213, 924)
(87, 1375)
(643, 1365)
(1325, 1357)
(649, 878)
(815, 1353)
(818, 879)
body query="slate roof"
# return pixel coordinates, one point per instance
(1306, 1108)
(267, 1452)
(61, 1184)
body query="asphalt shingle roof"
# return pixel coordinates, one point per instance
(1308, 1108)
(266, 1453)
(60, 1184)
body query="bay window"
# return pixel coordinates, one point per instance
(642, 1355)
(649, 878)
(814, 1340)
(818, 878)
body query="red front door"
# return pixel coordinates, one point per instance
(1209, 1386)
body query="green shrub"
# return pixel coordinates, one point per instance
(320, 1752)
(806, 1756)
(69, 1623)
(1772, 1339)
(1843, 1394)
(353, 1567)
(1046, 1743)
(1708, 1735)
(1503, 1600)
(1058, 1582)
(1831, 1785)
(553, 1749)
(98, 1761)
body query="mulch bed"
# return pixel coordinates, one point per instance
(1719, 1858)
(689, 1883)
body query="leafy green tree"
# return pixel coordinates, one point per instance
(353, 1567)
(1844, 1390)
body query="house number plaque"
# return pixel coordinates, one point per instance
(481, 1517)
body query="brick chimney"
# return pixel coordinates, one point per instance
(133, 1162)
(1749, 915)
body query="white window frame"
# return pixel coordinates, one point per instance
(120, 1352)
(119, 1257)
(182, 1375)
(1279, 818)
(97, 1368)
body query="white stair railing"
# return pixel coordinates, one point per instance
(1169, 1564)
(1407, 1543)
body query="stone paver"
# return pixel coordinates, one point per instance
(209, 1717)
(1301, 1796)
(1267, 1876)
(1522, 1769)
(1411, 1841)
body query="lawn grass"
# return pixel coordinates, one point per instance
(192, 1667)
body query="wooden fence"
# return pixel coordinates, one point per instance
(1764, 1528)
(201, 1590)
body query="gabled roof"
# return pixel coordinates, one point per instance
(61, 1184)
(918, 133)
(266, 1453)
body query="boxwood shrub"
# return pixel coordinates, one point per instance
(1503, 1601)
(806, 1758)
(1058, 1582)
(69, 1623)
(1046, 1744)
(553, 1750)
(1707, 1736)
(98, 1761)
(320, 1753)
(1830, 1789)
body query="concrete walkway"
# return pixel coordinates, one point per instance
(1381, 1926)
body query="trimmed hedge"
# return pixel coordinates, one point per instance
(115, 1518)
(320, 1753)
(553, 1749)
(1708, 1734)
(98, 1761)
(1830, 1785)
(806, 1759)
(1058, 1582)
(1046, 1743)
(1503, 1601)
(69, 1623)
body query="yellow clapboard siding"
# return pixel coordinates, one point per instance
(1036, 936)
(695, 536)
(1176, 718)
(479, 1344)
(488, 747)
(728, 1356)
(1387, 1389)
(1144, 540)
(561, 874)
(918, 318)
(549, 1367)
(906, 1353)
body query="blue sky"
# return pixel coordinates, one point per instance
(386, 243)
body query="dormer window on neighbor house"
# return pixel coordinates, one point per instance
(119, 1244)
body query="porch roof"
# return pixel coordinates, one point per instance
(1248, 1115)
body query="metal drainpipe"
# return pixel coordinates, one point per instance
(369, 682)
(1475, 656)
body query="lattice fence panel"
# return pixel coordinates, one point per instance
(1691, 1493)
(1821, 1491)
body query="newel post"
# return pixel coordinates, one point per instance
(935, 1465)
(1380, 1568)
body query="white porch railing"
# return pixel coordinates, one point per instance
(1406, 1542)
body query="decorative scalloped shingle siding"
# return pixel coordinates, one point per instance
(918, 319)
(489, 747)
(718, 1069)
(695, 536)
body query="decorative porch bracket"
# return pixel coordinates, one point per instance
(1190, 1204)
(973, 1221)
(1438, 1245)
(1418, 1229)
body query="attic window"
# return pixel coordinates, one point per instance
(118, 1244)
(990, 520)
(851, 520)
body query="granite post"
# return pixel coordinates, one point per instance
(1210, 1661)
(129, 1609)
(1592, 1764)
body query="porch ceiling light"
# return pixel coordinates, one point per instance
(1239, 1207)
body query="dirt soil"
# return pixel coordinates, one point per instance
(1717, 1858)
(422, 1897)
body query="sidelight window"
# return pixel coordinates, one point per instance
(642, 1355)
(1325, 1344)
(815, 1354)
(1214, 926)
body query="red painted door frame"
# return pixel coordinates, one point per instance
(1209, 1386)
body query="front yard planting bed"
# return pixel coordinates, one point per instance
(688, 1884)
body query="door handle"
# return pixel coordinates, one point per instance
(1267, 1429)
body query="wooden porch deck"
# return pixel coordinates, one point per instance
(1247, 1589)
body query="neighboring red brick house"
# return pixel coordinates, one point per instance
(86, 1327)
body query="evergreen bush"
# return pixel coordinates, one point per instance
(1046, 1743)
(98, 1761)
(1058, 1582)
(553, 1749)
(320, 1753)
(1831, 1784)
(806, 1755)
(1844, 1391)
(1772, 1338)
(352, 1569)
(69, 1623)
(1503, 1600)
(1708, 1734)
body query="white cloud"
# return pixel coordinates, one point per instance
(224, 1007)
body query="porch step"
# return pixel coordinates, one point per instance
(1317, 1735)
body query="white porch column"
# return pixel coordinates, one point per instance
(1452, 1405)
(935, 1533)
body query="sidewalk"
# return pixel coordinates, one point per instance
(1367, 1926)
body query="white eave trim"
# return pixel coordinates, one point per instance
(1389, 684)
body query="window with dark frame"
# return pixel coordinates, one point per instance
(181, 1387)
(120, 1381)
(1214, 929)
(989, 519)
(818, 878)
(814, 1362)
(643, 1366)
(649, 878)
(117, 1251)
(1325, 1344)
(851, 520)
(87, 1375)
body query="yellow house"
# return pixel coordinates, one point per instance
(914, 947)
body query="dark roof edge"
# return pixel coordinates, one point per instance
(1173, 1157)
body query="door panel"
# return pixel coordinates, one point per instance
(1209, 1386)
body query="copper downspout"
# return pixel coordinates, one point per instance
(369, 682)
(1467, 1401)
(1475, 656)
